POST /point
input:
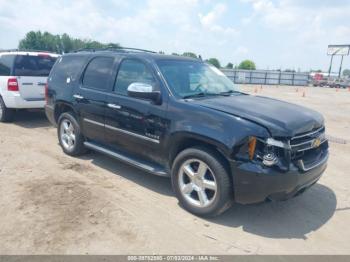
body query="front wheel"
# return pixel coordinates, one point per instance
(69, 135)
(201, 182)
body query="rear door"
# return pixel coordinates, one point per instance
(91, 95)
(32, 72)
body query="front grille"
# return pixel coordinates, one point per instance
(310, 149)
(307, 141)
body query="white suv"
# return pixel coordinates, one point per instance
(23, 76)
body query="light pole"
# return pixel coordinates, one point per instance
(341, 65)
(330, 66)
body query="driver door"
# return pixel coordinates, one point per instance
(135, 125)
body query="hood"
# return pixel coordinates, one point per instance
(282, 119)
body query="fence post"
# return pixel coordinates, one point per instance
(279, 78)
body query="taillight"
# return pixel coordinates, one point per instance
(12, 84)
(46, 92)
(44, 55)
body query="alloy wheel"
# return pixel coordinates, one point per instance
(197, 183)
(67, 134)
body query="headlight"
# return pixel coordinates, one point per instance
(266, 150)
(277, 143)
(270, 159)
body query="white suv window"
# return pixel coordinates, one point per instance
(6, 62)
(27, 65)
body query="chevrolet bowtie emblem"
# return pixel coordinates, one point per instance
(316, 143)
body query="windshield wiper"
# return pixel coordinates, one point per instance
(201, 94)
(227, 93)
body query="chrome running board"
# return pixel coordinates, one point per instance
(149, 167)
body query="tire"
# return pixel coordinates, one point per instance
(69, 135)
(6, 114)
(190, 192)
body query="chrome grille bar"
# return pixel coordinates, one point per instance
(308, 134)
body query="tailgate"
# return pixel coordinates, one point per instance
(32, 71)
(32, 88)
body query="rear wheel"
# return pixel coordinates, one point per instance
(69, 135)
(6, 114)
(201, 182)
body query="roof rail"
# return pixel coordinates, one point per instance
(138, 49)
(8, 50)
(115, 49)
(24, 50)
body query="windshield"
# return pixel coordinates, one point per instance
(26, 65)
(191, 78)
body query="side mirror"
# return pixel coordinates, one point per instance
(144, 91)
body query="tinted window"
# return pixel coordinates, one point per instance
(6, 62)
(26, 65)
(190, 78)
(67, 68)
(98, 73)
(132, 71)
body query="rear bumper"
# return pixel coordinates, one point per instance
(50, 114)
(254, 183)
(15, 101)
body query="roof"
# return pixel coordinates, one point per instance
(22, 52)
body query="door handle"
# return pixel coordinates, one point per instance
(79, 97)
(114, 106)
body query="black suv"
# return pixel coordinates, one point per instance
(180, 117)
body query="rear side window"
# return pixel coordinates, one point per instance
(67, 68)
(132, 71)
(98, 73)
(6, 62)
(27, 65)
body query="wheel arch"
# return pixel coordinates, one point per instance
(184, 140)
(62, 107)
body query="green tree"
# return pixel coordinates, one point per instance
(59, 43)
(214, 61)
(190, 54)
(247, 64)
(346, 72)
(229, 66)
(66, 43)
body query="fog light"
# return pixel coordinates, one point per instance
(270, 159)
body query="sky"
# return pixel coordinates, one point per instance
(275, 34)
